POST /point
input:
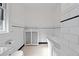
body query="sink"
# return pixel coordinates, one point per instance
(5, 47)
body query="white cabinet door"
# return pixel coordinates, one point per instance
(28, 37)
(34, 37)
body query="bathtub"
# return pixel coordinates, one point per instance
(58, 46)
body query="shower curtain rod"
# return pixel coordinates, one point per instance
(69, 18)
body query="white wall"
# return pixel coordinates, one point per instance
(15, 32)
(44, 33)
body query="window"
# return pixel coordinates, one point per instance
(3, 18)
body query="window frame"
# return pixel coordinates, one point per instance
(5, 19)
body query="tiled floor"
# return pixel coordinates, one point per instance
(39, 50)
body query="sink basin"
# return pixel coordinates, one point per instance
(5, 47)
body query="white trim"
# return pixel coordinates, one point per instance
(31, 37)
(31, 44)
(5, 21)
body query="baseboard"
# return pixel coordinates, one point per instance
(21, 47)
(43, 42)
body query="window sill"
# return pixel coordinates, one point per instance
(4, 32)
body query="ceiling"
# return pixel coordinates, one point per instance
(36, 14)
